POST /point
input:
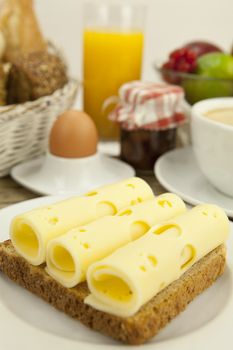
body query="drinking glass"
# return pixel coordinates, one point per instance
(113, 41)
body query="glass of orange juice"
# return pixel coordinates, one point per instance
(113, 50)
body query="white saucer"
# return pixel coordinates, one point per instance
(178, 172)
(50, 175)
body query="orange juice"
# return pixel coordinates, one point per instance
(110, 59)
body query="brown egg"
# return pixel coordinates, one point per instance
(74, 135)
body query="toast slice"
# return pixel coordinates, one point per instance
(133, 330)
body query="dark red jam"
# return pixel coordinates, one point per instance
(141, 148)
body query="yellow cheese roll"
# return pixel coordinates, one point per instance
(31, 231)
(70, 255)
(124, 281)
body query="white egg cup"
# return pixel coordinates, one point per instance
(52, 175)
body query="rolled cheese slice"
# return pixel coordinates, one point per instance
(31, 231)
(124, 281)
(70, 255)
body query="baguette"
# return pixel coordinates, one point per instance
(134, 330)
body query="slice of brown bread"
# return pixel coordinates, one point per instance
(133, 330)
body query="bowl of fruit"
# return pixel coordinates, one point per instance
(203, 70)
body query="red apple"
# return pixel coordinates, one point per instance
(201, 48)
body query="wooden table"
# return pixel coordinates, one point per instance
(11, 192)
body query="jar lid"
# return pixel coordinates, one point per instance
(148, 105)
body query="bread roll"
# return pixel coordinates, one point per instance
(35, 75)
(21, 31)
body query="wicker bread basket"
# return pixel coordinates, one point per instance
(24, 128)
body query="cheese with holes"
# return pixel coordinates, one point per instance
(123, 282)
(70, 255)
(31, 232)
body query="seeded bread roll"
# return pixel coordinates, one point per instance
(135, 330)
(35, 75)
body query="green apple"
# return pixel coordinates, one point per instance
(215, 65)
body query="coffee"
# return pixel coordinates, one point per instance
(221, 115)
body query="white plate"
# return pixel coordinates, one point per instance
(178, 172)
(28, 323)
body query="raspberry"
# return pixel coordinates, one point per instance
(181, 60)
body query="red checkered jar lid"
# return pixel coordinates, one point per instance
(152, 106)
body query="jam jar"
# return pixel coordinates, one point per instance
(149, 115)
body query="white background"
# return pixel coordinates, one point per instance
(170, 23)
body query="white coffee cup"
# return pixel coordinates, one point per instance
(213, 144)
